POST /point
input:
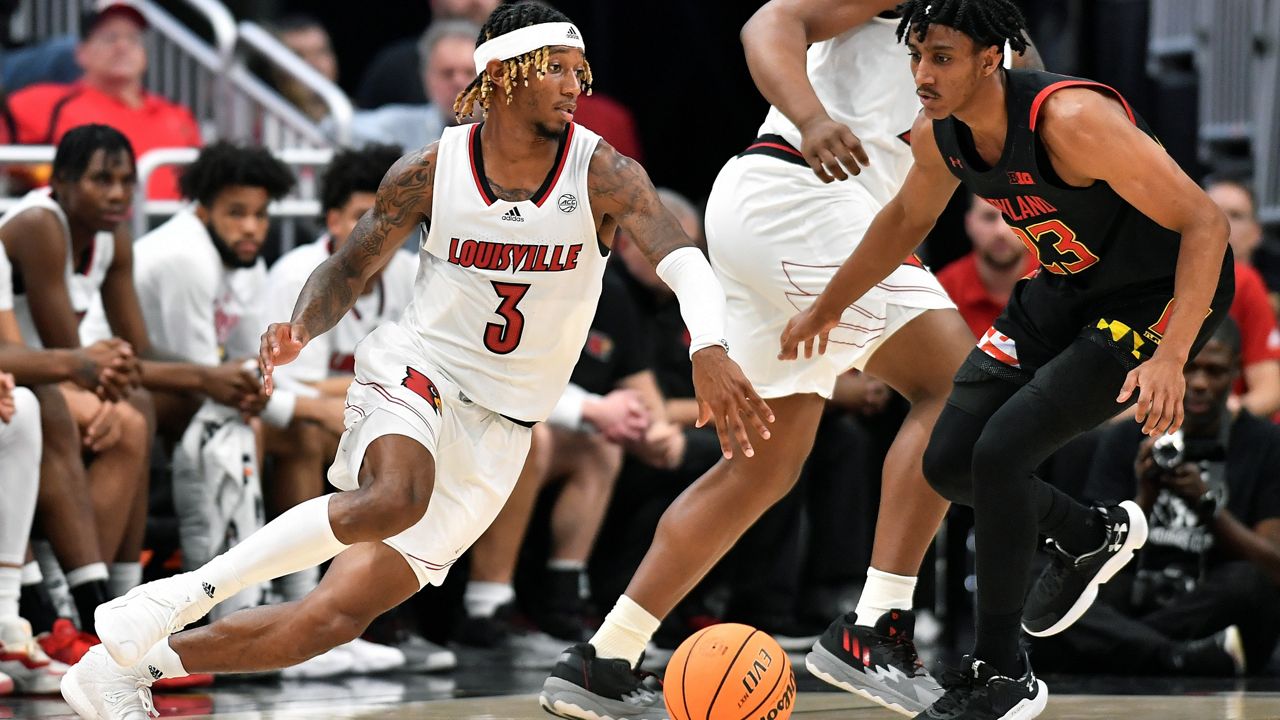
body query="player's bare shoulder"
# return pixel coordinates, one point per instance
(616, 183)
(407, 186)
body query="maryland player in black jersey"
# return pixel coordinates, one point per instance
(1120, 232)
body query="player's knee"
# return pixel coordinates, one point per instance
(604, 457)
(947, 467)
(307, 439)
(398, 499)
(26, 416)
(322, 627)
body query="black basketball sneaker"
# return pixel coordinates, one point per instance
(585, 687)
(1069, 585)
(878, 663)
(975, 691)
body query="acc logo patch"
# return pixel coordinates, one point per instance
(567, 203)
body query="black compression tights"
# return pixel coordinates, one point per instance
(989, 440)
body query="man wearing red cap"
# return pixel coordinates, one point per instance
(114, 58)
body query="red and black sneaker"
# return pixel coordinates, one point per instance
(878, 663)
(586, 687)
(65, 642)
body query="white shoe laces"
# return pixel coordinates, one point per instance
(141, 692)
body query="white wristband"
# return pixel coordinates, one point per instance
(702, 305)
(568, 410)
(279, 410)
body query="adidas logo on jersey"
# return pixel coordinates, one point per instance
(512, 215)
(572, 34)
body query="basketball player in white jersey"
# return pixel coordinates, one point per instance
(781, 218)
(443, 399)
(62, 243)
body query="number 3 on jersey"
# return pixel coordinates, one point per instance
(502, 339)
(1056, 247)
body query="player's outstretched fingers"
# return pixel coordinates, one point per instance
(1130, 383)
(740, 432)
(822, 343)
(758, 413)
(832, 165)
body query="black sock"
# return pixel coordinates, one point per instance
(35, 605)
(1076, 528)
(998, 645)
(88, 597)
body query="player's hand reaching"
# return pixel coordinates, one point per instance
(726, 397)
(1160, 385)
(831, 149)
(806, 325)
(281, 344)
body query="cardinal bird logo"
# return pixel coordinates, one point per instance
(423, 387)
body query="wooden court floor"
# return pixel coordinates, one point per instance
(431, 698)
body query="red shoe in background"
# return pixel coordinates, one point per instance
(66, 643)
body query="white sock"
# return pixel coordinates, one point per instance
(163, 660)
(298, 539)
(31, 574)
(296, 586)
(20, 444)
(882, 593)
(10, 590)
(123, 577)
(87, 573)
(625, 632)
(54, 581)
(482, 599)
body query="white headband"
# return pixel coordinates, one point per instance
(519, 42)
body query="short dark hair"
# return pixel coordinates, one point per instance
(986, 22)
(352, 171)
(1236, 182)
(296, 22)
(77, 146)
(1228, 333)
(223, 165)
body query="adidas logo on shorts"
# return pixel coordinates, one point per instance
(512, 215)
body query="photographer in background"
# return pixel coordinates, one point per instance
(1203, 597)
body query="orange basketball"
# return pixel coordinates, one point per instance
(729, 672)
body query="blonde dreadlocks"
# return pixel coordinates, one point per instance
(517, 69)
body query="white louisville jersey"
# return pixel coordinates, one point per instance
(506, 291)
(863, 78)
(84, 279)
(333, 353)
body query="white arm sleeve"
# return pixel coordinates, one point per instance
(702, 305)
(568, 410)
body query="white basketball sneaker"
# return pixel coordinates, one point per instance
(23, 660)
(128, 626)
(98, 689)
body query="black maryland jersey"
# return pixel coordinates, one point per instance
(1090, 241)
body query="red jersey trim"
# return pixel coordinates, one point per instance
(473, 151)
(562, 155)
(784, 148)
(1045, 93)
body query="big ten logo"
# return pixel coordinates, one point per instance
(758, 668)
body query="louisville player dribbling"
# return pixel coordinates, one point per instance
(440, 411)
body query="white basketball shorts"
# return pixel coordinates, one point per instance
(776, 236)
(478, 453)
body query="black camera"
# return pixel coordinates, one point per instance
(1169, 451)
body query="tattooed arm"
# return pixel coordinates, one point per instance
(403, 201)
(622, 196)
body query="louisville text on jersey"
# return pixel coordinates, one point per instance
(523, 257)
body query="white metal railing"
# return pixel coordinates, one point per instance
(301, 203)
(1172, 31)
(1266, 148)
(253, 37)
(1225, 63)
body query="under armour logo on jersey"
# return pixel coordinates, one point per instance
(512, 215)
(956, 162)
(208, 589)
(572, 34)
